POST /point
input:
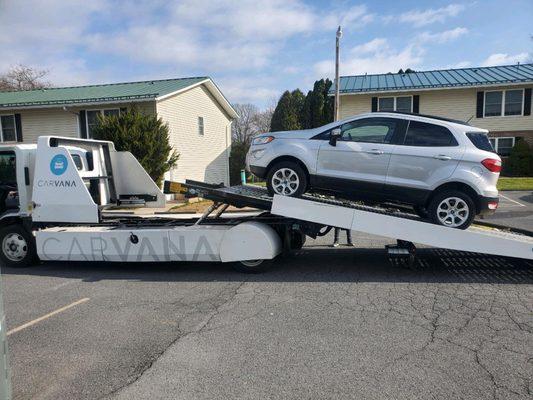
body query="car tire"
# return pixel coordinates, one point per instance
(294, 184)
(17, 247)
(452, 208)
(252, 266)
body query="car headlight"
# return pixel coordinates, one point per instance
(263, 139)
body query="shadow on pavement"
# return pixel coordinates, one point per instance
(311, 264)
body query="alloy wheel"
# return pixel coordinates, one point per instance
(285, 182)
(453, 212)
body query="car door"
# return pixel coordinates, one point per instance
(359, 160)
(428, 156)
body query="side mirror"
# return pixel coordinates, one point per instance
(334, 136)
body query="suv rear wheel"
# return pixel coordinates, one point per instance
(452, 208)
(286, 178)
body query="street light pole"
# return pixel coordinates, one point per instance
(337, 79)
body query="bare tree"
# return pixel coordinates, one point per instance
(22, 77)
(262, 120)
(243, 128)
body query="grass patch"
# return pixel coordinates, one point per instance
(506, 183)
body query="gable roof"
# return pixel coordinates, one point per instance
(125, 92)
(437, 79)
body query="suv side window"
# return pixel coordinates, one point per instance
(428, 135)
(369, 130)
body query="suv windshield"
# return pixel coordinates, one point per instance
(7, 168)
(480, 140)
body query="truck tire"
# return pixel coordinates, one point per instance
(252, 266)
(286, 178)
(17, 246)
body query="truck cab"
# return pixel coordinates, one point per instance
(62, 181)
(16, 174)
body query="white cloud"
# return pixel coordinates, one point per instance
(504, 58)
(442, 37)
(373, 46)
(426, 17)
(373, 57)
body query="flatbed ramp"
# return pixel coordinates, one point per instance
(378, 221)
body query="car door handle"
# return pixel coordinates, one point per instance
(374, 151)
(442, 157)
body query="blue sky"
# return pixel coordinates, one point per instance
(256, 49)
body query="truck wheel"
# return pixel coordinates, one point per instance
(286, 178)
(252, 266)
(17, 246)
(452, 208)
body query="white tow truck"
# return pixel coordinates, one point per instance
(54, 206)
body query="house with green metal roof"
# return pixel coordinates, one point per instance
(495, 98)
(198, 114)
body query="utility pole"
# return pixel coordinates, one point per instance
(337, 79)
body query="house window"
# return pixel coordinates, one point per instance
(201, 126)
(8, 130)
(503, 145)
(399, 103)
(504, 103)
(92, 118)
(513, 102)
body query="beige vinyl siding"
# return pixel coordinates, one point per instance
(58, 122)
(451, 103)
(203, 158)
(47, 122)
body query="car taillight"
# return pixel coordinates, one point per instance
(493, 205)
(492, 164)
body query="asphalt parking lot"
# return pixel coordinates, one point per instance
(515, 210)
(325, 323)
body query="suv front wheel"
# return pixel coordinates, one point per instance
(286, 178)
(453, 209)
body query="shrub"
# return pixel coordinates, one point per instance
(520, 161)
(145, 136)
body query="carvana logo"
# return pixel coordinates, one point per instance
(59, 164)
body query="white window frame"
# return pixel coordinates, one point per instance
(502, 110)
(395, 97)
(201, 132)
(2, 131)
(497, 139)
(101, 111)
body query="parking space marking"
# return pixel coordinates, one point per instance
(35, 321)
(512, 201)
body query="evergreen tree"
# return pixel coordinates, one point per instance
(317, 103)
(145, 136)
(297, 106)
(306, 117)
(329, 102)
(285, 116)
(298, 111)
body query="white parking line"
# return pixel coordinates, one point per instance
(35, 321)
(512, 201)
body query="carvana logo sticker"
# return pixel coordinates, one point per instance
(59, 164)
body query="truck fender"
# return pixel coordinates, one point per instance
(250, 241)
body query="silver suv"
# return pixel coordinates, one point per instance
(447, 170)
